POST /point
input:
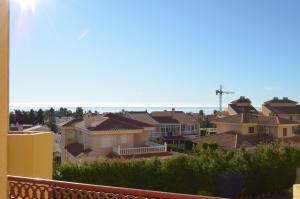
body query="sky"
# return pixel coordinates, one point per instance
(152, 53)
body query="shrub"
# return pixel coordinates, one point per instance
(271, 168)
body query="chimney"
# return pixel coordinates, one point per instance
(242, 97)
(275, 98)
(285, 98)
(87, 117)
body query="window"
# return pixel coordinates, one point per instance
(251, 129)
(284, 133)
(106, 141)
(124, 139)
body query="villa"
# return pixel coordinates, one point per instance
(241, 105)
(250, 129)
(284, 108)
(99, 136)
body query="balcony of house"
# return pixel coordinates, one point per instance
(30, 154)
(23, 187)
(149, 148)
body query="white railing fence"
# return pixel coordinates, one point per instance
(151, 147)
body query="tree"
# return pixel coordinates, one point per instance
(40, 117)
(201, 113)
(205, 123)
(78, 113)
(19, 117)
(31, 117)
(51, 120)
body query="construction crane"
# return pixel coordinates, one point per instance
(220, 93)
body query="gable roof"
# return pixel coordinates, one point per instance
(111, 122)
(142, 116)
(242, 99)
(243, 109)
(70, 122)
(113, 125)
(76, 149)
(224, 140)
(179, 116)
(127, 120)
(253, 118)
(284, 109)
(283, 100)
(165, 120)
(232, 140)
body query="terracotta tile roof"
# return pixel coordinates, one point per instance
(253, 118)
(113, 125)
(71, 122)
(142, 116)
(128, 120)
(284, 109)
(107, 122)
(283, 100)
(242, 99)
(165, 120)
(76, 148)
(180, 116)
(233, 140)
(243, 109)
(224, 140)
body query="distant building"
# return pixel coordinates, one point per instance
(284, 108)
(19, 127)
(108, 135)
(250, 129)
(241, 105)
(41, 128)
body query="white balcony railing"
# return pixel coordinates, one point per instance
(150, 148)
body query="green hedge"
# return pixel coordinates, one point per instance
(271, 168)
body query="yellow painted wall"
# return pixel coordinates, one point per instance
(289, 131)
(30, 155)
(296, 191)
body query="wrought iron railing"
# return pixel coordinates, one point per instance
(32, 188)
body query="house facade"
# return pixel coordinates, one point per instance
(94, 137)
(175, 123)
(246, 124)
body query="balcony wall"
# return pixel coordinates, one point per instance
(30, 154)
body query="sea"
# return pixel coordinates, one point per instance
(207, 110)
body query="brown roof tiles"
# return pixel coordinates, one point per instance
(253, 118)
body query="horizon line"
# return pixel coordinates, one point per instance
(112, 105)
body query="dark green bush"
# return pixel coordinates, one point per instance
(270, 168)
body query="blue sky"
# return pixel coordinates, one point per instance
(158, 52)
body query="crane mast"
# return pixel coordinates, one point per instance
(220, 92)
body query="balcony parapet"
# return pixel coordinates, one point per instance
(30, 154)
(21, 187)
(150, 148)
